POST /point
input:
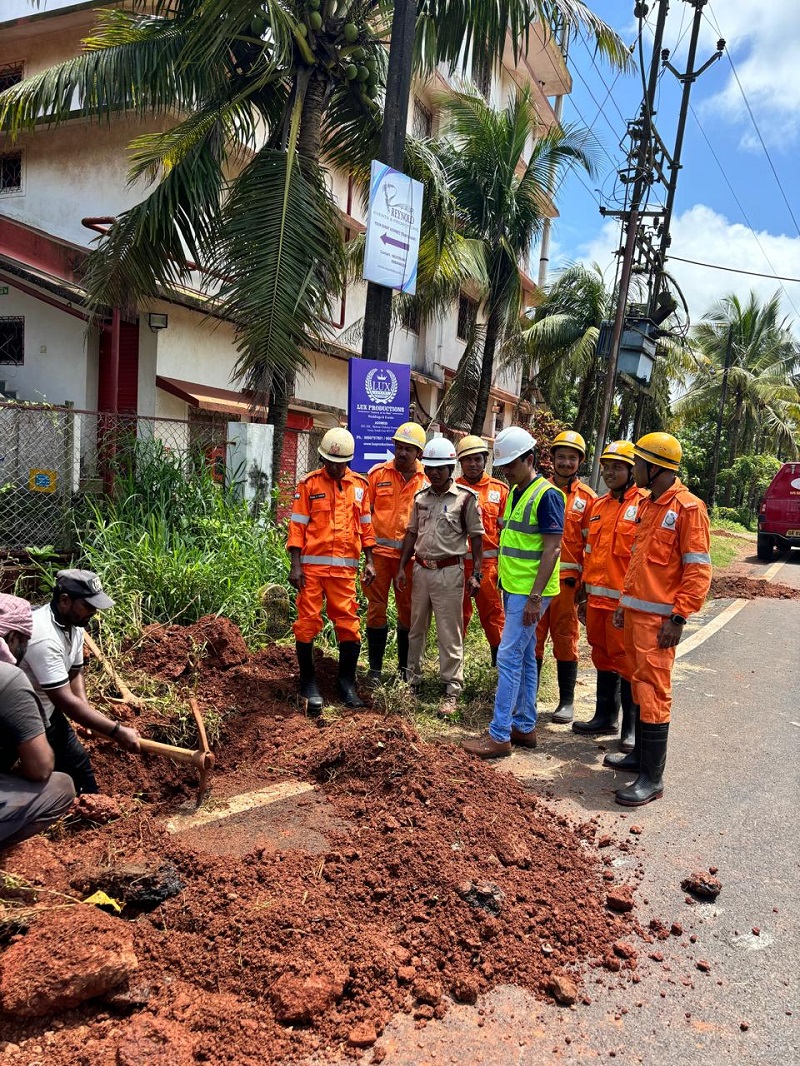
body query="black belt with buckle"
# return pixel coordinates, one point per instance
(439, 564)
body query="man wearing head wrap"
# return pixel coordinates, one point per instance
(32, 795)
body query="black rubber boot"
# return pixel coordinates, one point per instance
(493, 649)
(649, 785)
(567, 676)
(606, 710)
(346, 681)
(629, 762)
(308, 679)
(376, 646)
(627, 737)
(402, 652)
(539, 665)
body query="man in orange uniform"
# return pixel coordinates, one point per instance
(611, 527)
(392, 487)
(568, 451)
(668, 579)
(330, 526)
(472, 453)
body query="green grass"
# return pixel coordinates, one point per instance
(724, 550)
(732, 527)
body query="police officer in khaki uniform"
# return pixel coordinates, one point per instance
(444, 515)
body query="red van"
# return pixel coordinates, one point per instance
(779, 514)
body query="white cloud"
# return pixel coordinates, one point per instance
(703, 234)
(764, 42)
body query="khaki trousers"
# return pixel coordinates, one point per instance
(438, 593)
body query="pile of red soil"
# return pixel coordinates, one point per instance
(748, 588)
(447, 880)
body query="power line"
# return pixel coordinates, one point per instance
(735, 270)
(607, 87)
(758, 133)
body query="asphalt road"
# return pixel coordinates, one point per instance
(731, 801)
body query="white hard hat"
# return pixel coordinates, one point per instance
(510, 444)
(338, 446)
(439, 452)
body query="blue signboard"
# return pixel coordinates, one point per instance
(377, 403)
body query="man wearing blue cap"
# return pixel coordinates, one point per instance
(54, 664)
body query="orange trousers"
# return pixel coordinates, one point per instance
(378, 593)
(651, 666)
(339, 594)
(561, 622)
(489, 602)
(608, 643)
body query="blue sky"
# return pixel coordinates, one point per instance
(758, 233)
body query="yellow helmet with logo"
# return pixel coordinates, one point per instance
(337, 446)
(621, 450)
(471, 445)
(410, 433)
(660, 449)
(570, 439)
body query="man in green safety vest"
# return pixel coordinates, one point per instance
(530, 544)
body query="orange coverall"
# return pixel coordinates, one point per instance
(669, 573)
(391, 498)
(330, 524)
(610, 527)
(492, 495)
(561, 618)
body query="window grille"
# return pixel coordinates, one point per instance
(467, 317)
(10, 172)
(12, 341)
(10, 74)
(410, 318)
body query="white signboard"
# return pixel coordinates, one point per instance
(392, 243)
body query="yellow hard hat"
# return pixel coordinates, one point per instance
(622, 450)
(471, 445)
(660, 449)
(410, 433)
(570, 439)
(337, 446)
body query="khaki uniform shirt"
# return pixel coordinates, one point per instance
(443, 522)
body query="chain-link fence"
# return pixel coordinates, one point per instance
(51, 457)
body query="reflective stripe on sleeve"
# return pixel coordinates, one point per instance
(571, 566)
(491, 554)
(588, 549)
(301, 519)
(647, 606)
(366, 520)
(697, 557)
(600, 590)
(327, 560)
(386, 543)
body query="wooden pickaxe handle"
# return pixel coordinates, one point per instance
(203, 760)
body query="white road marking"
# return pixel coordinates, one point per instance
(247, 801)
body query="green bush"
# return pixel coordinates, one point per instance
(727, 517)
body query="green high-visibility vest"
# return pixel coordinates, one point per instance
(521, 543)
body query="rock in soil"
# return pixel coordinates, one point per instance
(562, 989)
(96, 809)
(620, 899)
(704, 886)
(298, 999)
(68, 956)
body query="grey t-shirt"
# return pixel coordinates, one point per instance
(21, 714)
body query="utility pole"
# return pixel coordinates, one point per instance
(652, 164)
(712, 492)
(378, 310)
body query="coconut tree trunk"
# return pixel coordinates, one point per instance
(585, 397)
(281, 391)
(487, 370)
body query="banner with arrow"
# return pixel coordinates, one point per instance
(378, 396)
(393, 225)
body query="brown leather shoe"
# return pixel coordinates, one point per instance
(486, 747)
(524, 740)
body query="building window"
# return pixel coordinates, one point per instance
(410, 317)
(467, 317)
(12, 341)
(10, 172)
(10, 74)
(422, 121)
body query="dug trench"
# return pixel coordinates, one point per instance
(388, 875)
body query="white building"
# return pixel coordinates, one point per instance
(56, 188)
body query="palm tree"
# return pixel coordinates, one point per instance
(237, 184)
(763, 396)
(497, 164)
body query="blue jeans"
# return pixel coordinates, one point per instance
(517, 675)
